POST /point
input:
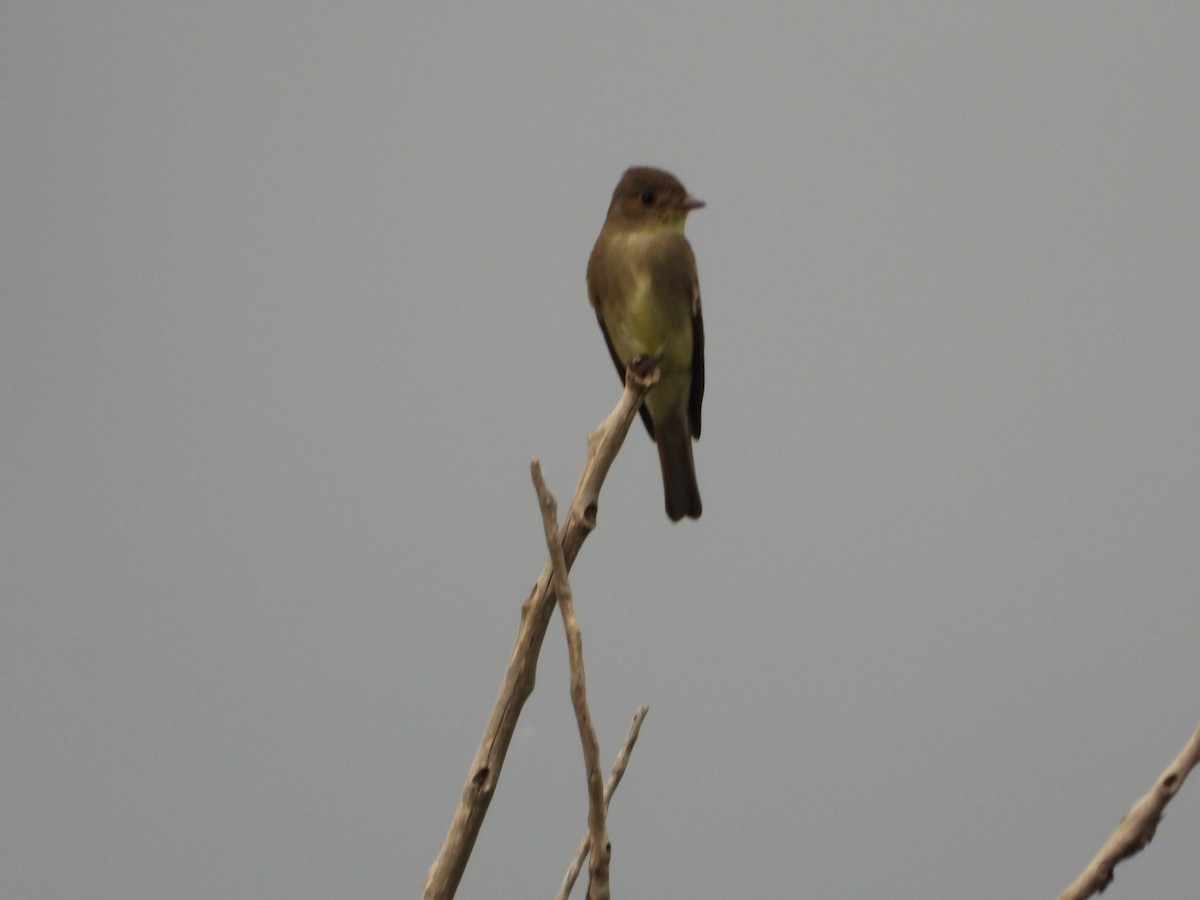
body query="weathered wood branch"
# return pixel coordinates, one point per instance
(614, 779)
(597, 829)
(1137, 826)
(603, 444)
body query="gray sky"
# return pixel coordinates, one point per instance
(291, 294)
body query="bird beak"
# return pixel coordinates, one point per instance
(690, 203)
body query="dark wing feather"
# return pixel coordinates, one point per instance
(697, 394)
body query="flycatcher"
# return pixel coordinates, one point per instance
(642, 283)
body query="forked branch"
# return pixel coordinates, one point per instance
(614, 779)
(597, 830)
(603, 444)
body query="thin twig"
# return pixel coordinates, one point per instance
(618, 772)
(603, 444)
(601, 849)
(1137, 826)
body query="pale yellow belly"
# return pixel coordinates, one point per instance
(646, 326)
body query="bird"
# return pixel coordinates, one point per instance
(643, 286)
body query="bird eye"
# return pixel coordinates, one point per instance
(647, 198)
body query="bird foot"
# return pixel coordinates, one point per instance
(643, 366)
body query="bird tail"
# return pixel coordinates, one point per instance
(678, 471)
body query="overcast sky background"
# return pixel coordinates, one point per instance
(291, 293)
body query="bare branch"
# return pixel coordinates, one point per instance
(597, 831)
(603, 444)
(618, 772)
(1137, 826)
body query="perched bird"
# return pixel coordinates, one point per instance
(642, 282)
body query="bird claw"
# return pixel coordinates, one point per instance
(643, 366)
